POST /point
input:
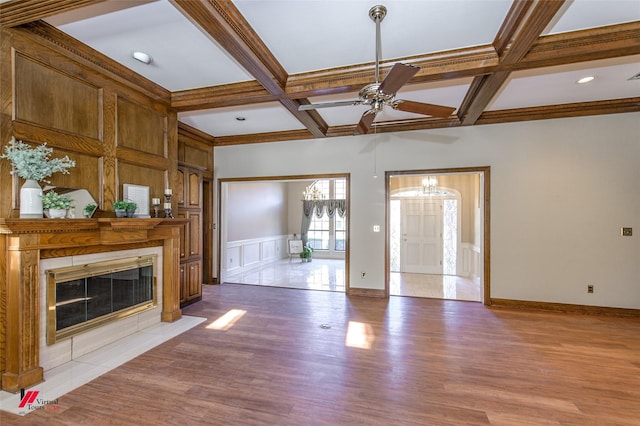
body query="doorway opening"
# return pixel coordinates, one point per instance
(437, 234)
(260, 216)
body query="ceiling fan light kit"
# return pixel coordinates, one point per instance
(377, 95)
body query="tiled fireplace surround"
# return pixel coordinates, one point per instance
(81, 344)
(31, 246)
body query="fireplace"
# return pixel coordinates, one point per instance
(32, 246)
(80, 298)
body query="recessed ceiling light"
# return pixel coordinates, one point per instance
(584, 80)
(240, 118)
(142, 57)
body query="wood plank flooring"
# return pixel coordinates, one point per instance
(401, 361)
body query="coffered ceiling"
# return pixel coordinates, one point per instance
(239, 70)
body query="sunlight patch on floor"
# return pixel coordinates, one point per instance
(359, 335)
(227, 320)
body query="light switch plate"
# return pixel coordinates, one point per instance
(627, 232)
(376, 228)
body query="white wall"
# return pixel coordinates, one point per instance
(256, 209)
(560, 192)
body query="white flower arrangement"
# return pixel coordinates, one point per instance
(35, 163)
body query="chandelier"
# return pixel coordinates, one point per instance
(430, 185)
(312, 193)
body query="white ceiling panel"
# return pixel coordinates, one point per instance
(260, 118)
(318, 34)
(558, 85)
(583, 14)
(183, 56)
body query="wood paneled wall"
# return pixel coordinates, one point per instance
(195, 149)
(55, 90)
(116, 125)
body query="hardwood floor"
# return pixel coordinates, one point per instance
(275, 356)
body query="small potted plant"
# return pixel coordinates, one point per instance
(120, 207)
(56, 204)
(306, 253)
(131, 208)
(89, 209)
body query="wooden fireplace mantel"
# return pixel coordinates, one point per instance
(23, 242)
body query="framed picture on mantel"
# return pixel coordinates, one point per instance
(138, 194)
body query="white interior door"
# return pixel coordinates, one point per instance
(421, 227)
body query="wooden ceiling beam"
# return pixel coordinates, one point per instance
(552, 50)
(451, 64)
(222, 21)
(584, 45)
(224, 95)
(18, 12)
(579, 109)
(523, 25)
(290, 135)
(558, 49)
(511, 24)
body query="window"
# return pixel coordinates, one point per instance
(325, 233)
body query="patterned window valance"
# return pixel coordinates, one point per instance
(330, 207)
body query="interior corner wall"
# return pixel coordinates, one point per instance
(560, 192)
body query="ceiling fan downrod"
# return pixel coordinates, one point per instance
(377, 14)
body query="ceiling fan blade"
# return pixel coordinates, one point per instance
(399, 75)
(328, 105)
(365, 122)
(422, 108)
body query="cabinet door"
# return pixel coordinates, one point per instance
(195, 280)
(185, 234)
(195, 233)
(184, 283)
(181, 189)
(195, 184)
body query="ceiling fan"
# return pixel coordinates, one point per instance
(383, 93)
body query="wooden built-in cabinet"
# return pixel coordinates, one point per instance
(190, 208)
(190, 282)
(195, 167)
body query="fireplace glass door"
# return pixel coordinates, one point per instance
(108, 290)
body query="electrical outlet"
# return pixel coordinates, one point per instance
(589, 288)
(363, 275)
(627, 232)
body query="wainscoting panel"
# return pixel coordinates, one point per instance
(251, 254)
(470, 261)
(234, 257)
(243, 255)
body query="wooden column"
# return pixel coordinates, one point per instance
(22, 293)
(171, 275)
